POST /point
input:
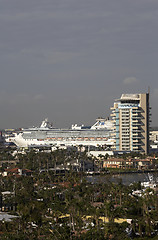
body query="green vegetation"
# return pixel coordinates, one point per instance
(66, 206)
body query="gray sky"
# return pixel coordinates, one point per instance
(69, 59)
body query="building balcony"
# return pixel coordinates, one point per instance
(138, 144)
(136, 111)
(136, 130)
(136, 125)
(135, 141)
(138, 137)
(136, 119)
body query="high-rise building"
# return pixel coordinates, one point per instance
(130, 115)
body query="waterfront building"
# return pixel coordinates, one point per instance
(130, 115)
(128, 163)
(154, 136)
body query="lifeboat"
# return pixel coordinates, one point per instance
(104, 138)
(79, 138)
(86, 139)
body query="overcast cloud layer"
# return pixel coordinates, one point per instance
(68, 60)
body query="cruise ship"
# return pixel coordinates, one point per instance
(46, 135)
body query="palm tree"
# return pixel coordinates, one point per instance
(110, 211)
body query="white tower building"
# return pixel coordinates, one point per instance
(130, 115)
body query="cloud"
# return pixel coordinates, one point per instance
(55, 55)
(155, 93)
(19, 99)
(130, 80)
(39, 97)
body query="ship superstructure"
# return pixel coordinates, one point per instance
(98, 134)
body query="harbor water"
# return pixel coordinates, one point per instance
(126, 178)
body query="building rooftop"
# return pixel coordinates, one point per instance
(130, 96)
